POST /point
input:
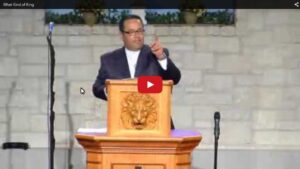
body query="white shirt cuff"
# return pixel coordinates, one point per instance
(163, 63)
(105, 92)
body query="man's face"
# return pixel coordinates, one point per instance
(133, 34)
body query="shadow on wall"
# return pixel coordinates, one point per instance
(9, 146)
(71, 129)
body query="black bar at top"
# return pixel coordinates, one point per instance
(152, 4)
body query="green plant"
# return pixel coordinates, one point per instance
(95, 6)
(67, 18)
(113, 16)
(166, 18)
(224, 17)
(194, 6)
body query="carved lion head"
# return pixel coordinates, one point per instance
(138, 111)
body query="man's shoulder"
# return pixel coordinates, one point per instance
(112, 54)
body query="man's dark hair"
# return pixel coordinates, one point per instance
(127, 17)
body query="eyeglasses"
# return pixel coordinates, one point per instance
(137, 32)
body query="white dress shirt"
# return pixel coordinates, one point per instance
(132, 57)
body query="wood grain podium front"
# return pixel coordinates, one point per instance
(138, 132)
(104, 152)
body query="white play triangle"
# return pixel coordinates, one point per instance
(149, 84)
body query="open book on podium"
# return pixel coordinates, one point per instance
(134, 114)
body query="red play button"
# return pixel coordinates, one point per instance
(149, 84)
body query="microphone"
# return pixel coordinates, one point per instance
(217, 117)
(51, 27)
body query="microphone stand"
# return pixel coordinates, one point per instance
(216, 133)
(216, 153)
(51, 113)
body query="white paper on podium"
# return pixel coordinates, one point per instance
(92, 130)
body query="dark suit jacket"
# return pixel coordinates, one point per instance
(114, 65)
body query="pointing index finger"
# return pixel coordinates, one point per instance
(156, 40)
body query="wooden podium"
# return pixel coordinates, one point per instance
(138, 132)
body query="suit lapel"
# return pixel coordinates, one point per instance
(123, 64)
(141, 62)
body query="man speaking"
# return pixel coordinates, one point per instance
(135, 58)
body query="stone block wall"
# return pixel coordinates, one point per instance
(248, 71)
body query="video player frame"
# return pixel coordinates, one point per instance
(154, 4)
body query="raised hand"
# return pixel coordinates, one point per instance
(157, 49)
